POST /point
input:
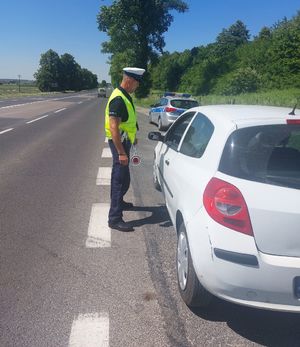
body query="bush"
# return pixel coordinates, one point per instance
(243, 80)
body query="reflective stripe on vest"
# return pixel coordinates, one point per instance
(130, 125)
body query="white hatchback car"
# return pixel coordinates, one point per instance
(230, 176)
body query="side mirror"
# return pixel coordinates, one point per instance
(155, 136)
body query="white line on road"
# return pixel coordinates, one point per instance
(34, 120)
(36, 102)
(106, 153)
(62, 109)
(99, 233)
(90, 330)
(80, 102)
(19, 105)
(6, 130)
(106, 140)
(104, 176)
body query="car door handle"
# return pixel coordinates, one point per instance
(167, 161)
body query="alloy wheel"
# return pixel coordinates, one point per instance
(182, 260)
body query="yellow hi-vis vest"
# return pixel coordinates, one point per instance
(130, 125)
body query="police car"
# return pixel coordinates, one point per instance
(169, 108)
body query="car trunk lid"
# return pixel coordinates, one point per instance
(264, 164)
(275, 217)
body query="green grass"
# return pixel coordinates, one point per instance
(288, 98)
(152, 99)
(12, 90)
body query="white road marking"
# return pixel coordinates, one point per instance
(80, 102)
(6, 130)
(34, 120)
(106, 153)
(62, 109)
(90, 330)
(104, 176)
(106, 140)
(19, 105)
(36, 102)
(99, 233)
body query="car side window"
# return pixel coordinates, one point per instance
(197, 137)
(163, 102)
(177, 130)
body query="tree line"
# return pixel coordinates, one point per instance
(231, 65)
(59, 73)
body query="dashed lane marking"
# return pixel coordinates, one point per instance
(106, 153)
(99, 233)
(6, 130)
(62, 109)
(35, 102)
(34, 120)
(104, 176)
(90, 330)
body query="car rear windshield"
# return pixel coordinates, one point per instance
(268, 154)
(185, 104)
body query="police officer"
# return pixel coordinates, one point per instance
(120, 129)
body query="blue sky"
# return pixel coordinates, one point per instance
(29, 28)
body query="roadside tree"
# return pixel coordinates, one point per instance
(48, 76)
(137, 26)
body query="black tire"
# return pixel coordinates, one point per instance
(191, 290)
(160, 126)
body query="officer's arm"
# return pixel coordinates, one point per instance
(114, 123)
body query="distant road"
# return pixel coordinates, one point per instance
(15, 112)
(28, 99)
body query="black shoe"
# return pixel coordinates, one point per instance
(127, 205)
(121, 226)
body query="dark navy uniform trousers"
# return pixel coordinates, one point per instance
(120, 182)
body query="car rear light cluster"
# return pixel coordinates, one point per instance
(226, 205)
(293, 121)
(170, 109)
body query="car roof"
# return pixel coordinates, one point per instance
(252, 114)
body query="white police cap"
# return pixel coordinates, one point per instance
(134, 72)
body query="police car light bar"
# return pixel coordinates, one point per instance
(183, 95)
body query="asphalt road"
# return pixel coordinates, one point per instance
(57, 291)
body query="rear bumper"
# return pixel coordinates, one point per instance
(168, 119)
(229, 265)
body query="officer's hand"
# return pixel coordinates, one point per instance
(123, 159)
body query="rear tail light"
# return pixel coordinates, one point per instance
(293, 121)
(226, 205)
(170, 109)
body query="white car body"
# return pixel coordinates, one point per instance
(260, 270)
